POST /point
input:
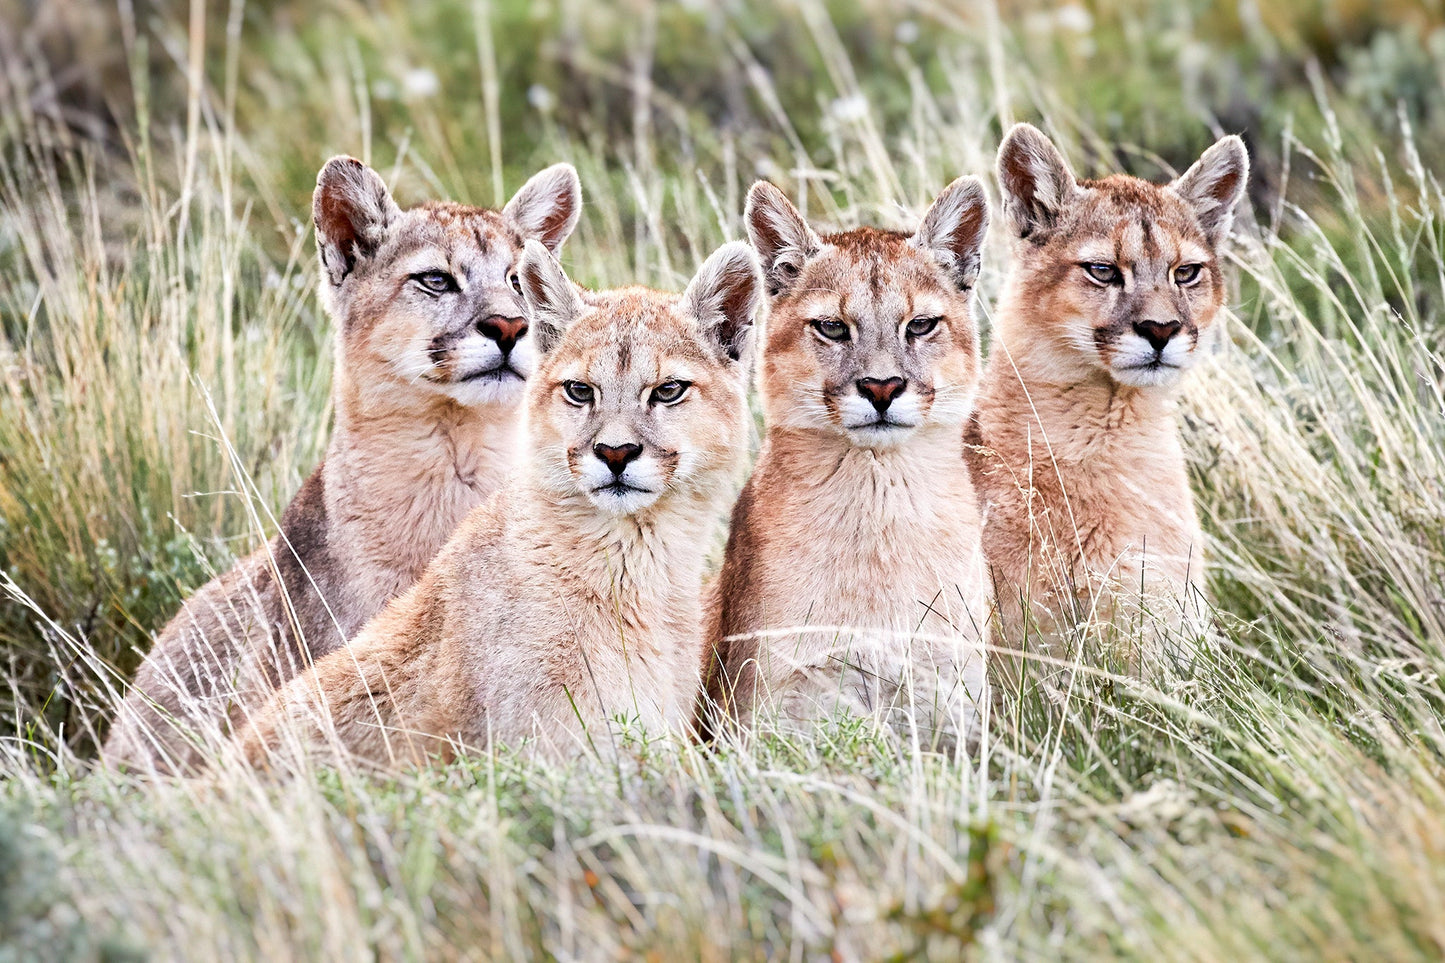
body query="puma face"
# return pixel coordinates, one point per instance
(1117, 275)
(640, 395)
(870, 333)
(429, 298)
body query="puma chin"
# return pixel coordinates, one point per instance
(486, 376)
(638, 487)
(866, 427)
(1137, 362)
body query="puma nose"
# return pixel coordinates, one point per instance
(1157, 333)
(617, 458)
(881, 392)
(505, 331)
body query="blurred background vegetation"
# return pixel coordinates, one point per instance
(632, 81)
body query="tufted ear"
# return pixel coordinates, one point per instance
(724, 296)
(552, 302)
(1033, 178)
(352, 210)
(1215, 184)
(953, 230)
(783, 240)
(548, 206)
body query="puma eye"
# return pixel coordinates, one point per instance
(578, 392)
(515, 281)
(1187, 273)
(670, 392)
(831, 328)
(1103, 273)
(919, 327)
(437, 282)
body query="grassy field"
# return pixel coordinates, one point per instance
(165, 371)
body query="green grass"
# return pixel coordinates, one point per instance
(165, 370)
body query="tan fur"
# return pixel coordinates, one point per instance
(562, 605)
(868, 534)
(1074, 445)
(420, 439)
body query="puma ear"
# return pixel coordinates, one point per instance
(352, 210)
(552, 302)
(783, 240)
(548, 206)
(724, 296)
(1033, 178)
(1215, 184)
(953, 230)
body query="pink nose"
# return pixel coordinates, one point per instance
(881, 392)
(617, 458)
(1157, 333)
(505, 331)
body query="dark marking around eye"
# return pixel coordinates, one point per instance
(670, 392)
(1187, 273)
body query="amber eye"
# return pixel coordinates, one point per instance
(516, 282)
(578, 392)
(831, 328)
(1103, 273)
(436, 282)
(1187, 273)
(670, 392)
(919, 327)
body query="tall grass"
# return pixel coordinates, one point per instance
(165, 380)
